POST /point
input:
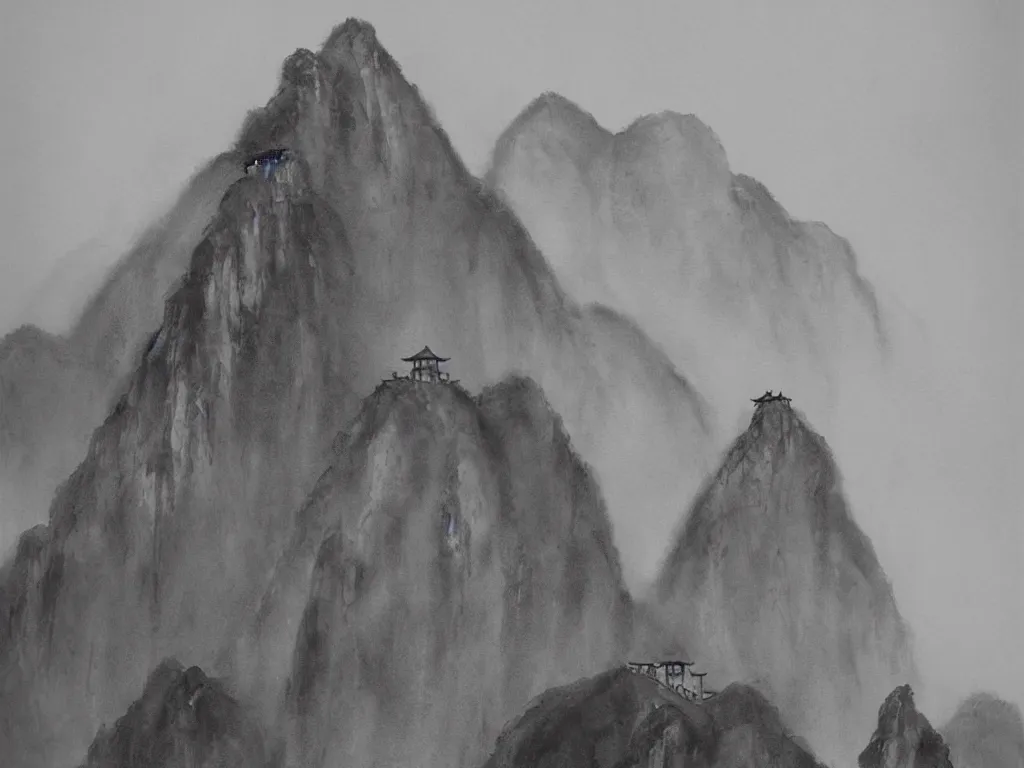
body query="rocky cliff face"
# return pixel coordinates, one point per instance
(302, 292)
(772, 582)
(623, 720)
(985, 732)
(904, 738)
(652, 222)
(183, 719)
(453, 562)
(56, 389)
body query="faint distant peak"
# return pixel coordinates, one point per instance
(555, 120)
(661, 126)
(32, 339)
(985, 703)
(556, 108)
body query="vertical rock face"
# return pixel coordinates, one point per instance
(224, 425)
(453, 562)
(652, 222)
(55, 390)
(303, 290)
(985, 732)
(624, 720)
(183, 719)
(771, 581)
(904, 738)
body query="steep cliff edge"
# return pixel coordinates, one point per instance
(303, 291)
(454, 561)
(652, 222)
(985, 732)
(772, 582)
(904, 738)
(56, 389)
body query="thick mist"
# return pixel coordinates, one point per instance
(900, 136)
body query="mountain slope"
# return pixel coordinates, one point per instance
(57, 389)
(624, 720)
(303, 291)
(652, 222)
(985, 732)
(182, 720)
(904, 738)
(50, 401)
(772, 581)
(454, 561)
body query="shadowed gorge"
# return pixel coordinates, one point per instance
(302, 291)
(771, 581)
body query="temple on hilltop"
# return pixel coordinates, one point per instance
(677, 676)
(768, 397)
(426, 366)
(266, 162)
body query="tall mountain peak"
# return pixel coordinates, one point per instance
(771, 580)
(651, 221)
(453, 561)
(306, 283)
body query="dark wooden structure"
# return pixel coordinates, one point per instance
(676, 676)
(768, 397)
(426, 366)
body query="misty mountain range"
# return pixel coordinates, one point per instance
(242, 547)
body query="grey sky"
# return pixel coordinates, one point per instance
(898, 124)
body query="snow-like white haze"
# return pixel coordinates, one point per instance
(898, 125)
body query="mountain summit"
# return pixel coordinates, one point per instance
(772, 582)
(652, 222)
(454, 561)
(306, 286)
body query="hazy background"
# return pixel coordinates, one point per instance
(897, 124)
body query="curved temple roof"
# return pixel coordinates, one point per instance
(425, 354)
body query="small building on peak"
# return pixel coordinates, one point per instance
(678, 676)
(426, 366)
(266, 162)
(768, 397)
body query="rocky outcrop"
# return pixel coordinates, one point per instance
(183, 719)
(904, 738)
(772, 582)
(620, 719)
